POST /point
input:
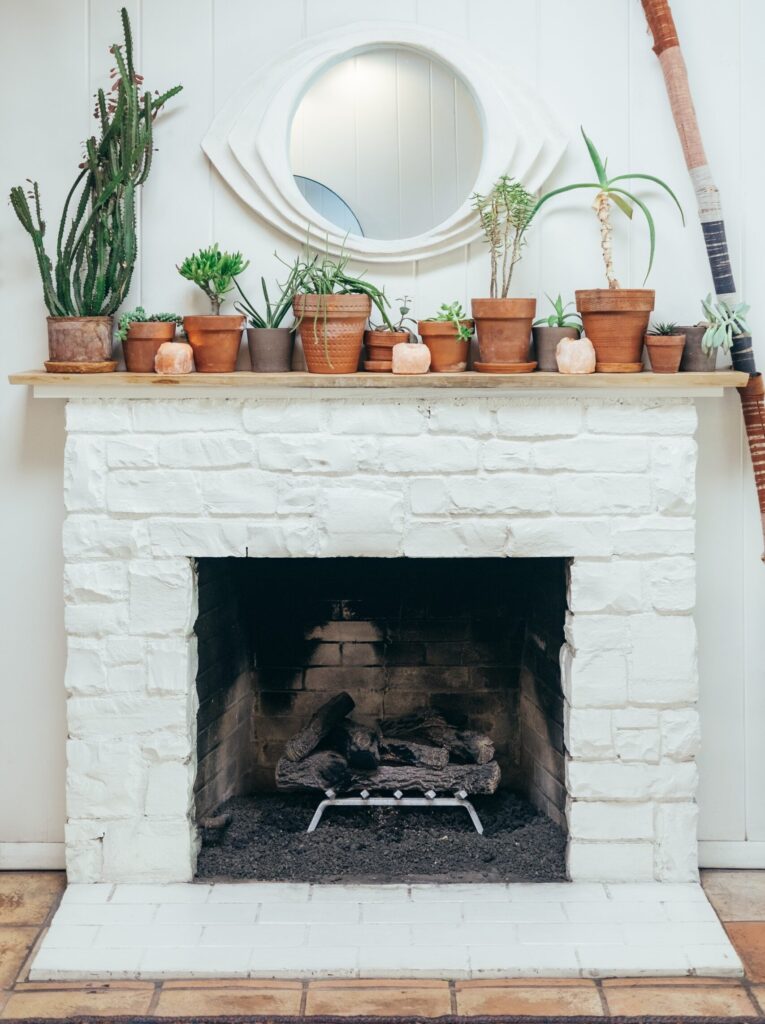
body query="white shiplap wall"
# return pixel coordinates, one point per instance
(592, 62)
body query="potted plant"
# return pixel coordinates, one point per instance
(380, 339)
(549, 330)
(270, 344)
(447, 335)
(214, 339)
(503, 325)
(141, 334)
(726, 328)
(97, 245)
(665, 343)
(332, 307)
(615, 318)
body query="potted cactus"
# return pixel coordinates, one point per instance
(549, 330)
(447, 335)
(97, 246)
(381, 339)
(665, 343)
(270, 344)
(214, 338)
(141, 334)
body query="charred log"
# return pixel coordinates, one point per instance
(320, 725)
(409, 752)
(322, 770)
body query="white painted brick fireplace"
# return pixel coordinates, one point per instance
(153, 484)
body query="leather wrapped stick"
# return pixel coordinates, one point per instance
(666, 45)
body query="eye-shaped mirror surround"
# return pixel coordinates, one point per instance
(249, 141)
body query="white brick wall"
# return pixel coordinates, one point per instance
(151, 484)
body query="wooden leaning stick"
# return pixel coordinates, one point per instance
(667, 48)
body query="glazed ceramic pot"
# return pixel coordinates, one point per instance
(503, 327)
(214, 341)
(615, 321)
(332, 330)
(695, 359)
(665, 352)
(448, 352)
(271, 349)
(546, 343)
(142, 344)
(80, 339)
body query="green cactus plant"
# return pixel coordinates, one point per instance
(96, 245)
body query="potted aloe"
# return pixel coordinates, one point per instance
(503, 325)
(615, 318)
(214, 339)
(549, 330)
(380, 339)
(447, 335)
(141, 334)
(665, 343)
(97, 244)
(270, 344)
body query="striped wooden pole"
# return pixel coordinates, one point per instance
(667, 48)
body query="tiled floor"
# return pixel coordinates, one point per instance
(27, 902)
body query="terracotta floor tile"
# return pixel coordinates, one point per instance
(15, 943)
(758, 991)
(246, 983)
(701, 1001)
(229, 1001)
(749, 939)
(69, 1003)
(360, 983)
(387, 1000)
(523, 983)
(661, 982)
(79, 986)
(532, 1000)
(736, 895)
(26, 897)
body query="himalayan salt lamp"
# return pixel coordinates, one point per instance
(409, 359)
(174, 357)
(575, 355)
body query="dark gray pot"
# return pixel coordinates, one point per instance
(545, 343)
(742, 354)
(270, 349)
(695, 360)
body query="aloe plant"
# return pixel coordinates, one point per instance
(725, 321)
(453, 313)
(610, 190)
(662, 329)
(275, 311)
(214, 272)
(559, 317)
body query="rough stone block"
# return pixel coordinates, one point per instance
(500, 455)
(308, 454)
(606, 586)
(634, 782)
(245, 491)
(654, 535)
(267, 416)
(540, 418)
(468, 417)
(426, 454)
(680, 734)
(209, 538)
(188, 416)
(455, 540)
(84, 473)
(610, 862)
(611, 821)
(594, 680)
(169, 789)
(97, 416)
(507, 494)
(556, 538)
(637, 416)
(99, 537)
(677, 842)
(671, 584)
(93, 582)
(133, 453)
(588, 734)
(162, 597)
(377, 418)
(600, 494)
(158, 491)
(206, 452)
(594, 455)
(673, 475)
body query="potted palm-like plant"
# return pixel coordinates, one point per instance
(615, 318)
(142, 333)
(214, 339)
(380, 339)
(97, 245)
(270, 344)
(549, 330)
(503, 325)
(447, 335)
(665, 343)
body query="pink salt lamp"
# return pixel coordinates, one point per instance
(174, 357)
(410, 359)
(575, 355)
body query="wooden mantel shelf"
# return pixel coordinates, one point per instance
(150, 385)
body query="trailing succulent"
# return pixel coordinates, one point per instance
(140, 316)
(725, 321)
(214, 272)
(96, 244)
(453, 313)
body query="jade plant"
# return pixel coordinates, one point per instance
(505, 214)
(725, 321)
(96, 244)
(273, 312)
(214, 272)
(611, 190)
(140, 316)
(453, 313)
(559, 316)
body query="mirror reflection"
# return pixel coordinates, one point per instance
(387, 143)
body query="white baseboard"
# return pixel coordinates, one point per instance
(734, 854)
(31, 856)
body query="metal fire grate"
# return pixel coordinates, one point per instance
(365, 799)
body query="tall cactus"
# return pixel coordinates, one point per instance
(96, 245)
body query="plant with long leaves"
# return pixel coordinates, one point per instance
(453, 313)
(505, 214)
(214, 272)
(140, 316)
(559, 316)
(663, 329)
(96, 250)
(610, 190)
(275, 311)
(398, 325)
(725, 321)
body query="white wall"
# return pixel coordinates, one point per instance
(592, 62)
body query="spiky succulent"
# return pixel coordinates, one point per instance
(559, 317)
(662, 329)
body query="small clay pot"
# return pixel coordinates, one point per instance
(695, 359)
(80, 339)
(546, 344)
(665, 351)
(379, 344)
(503, 327)
(615, 321)
(142, 344)
(332, 330)
(271, 349)
(448, 354)
(214, 341)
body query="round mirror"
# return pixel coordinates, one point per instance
(387, 143)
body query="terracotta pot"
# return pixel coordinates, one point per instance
(142, 344)
(695, 359)
(332, 330)
(271, 349)
(448, 354)
(615, 321)
(503, 327)
(665, 352)
(546, 344)
(80, 339)
(214, 341)
(379, 344)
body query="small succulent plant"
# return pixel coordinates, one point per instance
(559, 317)
(213, 271)
(662, 329)
(453, 313)
(724, 322)
(397, 326)
(139, 315)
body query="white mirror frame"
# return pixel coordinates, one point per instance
(249, 139)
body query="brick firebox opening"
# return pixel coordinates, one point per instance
(477, 638)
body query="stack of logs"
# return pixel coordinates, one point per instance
(417, 752)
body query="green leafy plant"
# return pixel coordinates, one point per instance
(96, 249)
(559, 317)
(610, 190)
(398, 325)
(505, 214)
(453, 313)
(139, 315)
(213, 271)
(276, 311)
(724, 322)
(661, 329)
